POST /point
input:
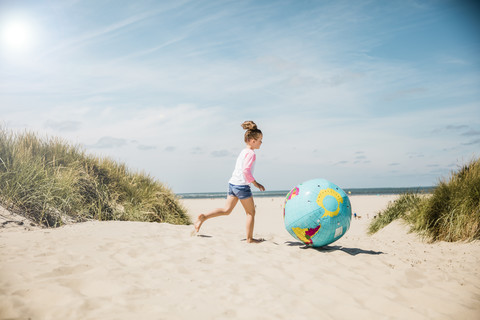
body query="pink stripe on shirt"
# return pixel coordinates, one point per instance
(247, 166)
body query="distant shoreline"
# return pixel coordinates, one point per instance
(283, 193)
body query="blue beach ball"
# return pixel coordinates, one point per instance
(317, 212)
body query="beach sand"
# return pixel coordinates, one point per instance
(133, 270)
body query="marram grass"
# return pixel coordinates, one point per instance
(53, 182)
(451, 213)
(405, 204)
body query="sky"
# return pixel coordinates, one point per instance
(361, 93)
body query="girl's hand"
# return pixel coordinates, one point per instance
(259, 186)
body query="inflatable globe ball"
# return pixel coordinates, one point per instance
(317, 212)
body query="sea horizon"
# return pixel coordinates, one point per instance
(283, 193)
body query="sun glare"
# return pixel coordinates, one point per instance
(17, 35)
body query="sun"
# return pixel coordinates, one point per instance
(17, 35)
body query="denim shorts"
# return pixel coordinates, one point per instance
(241, 192)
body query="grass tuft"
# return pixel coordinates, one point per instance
(53, 183)
(395, 210)
(451, 213)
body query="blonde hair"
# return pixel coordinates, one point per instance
(252, 131)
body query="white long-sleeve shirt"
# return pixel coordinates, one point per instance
(244, 167)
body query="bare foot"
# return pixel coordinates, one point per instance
(199, 222)
(255, 240)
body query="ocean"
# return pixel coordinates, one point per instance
(283, 193)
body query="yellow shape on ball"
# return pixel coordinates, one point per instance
(306, 234)
(333, 193)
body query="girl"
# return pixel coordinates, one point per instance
(239, 183)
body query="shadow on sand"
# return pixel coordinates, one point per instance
(326, 249)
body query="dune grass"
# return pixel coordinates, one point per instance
(451, 213)
(53, 183)
(400, 208)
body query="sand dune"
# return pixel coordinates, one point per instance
(125, 270)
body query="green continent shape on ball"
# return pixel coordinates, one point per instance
(306, 234)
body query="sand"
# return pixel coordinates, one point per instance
(133, 270)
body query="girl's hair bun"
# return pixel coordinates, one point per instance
(252, 131)
(249, 125)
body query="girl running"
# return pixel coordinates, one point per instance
(239, 183)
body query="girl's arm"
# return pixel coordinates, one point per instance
(247, 167)
(258, 185)
(247, 170)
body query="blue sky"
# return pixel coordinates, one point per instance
(362, 93)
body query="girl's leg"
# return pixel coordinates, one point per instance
(249, 206)
(231, 203)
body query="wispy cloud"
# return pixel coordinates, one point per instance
(472, 143)
(143, 147)
(471, 132)
(412, 92)
(88, 37)
(459, 129)
(109, 142)
(413, 155)
(145, 52)
(197, 150)
(63, 126)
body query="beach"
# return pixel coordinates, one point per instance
(126, 270)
